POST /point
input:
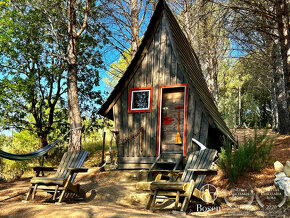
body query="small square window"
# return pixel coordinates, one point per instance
(140, 99)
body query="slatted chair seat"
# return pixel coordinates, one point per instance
(178, 186)
(197, 167)
(48, 181)
(62, 181)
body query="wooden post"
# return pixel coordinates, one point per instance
(240, 102)
(115, 133)
(141, 140)
(103, 149)
(110, 148)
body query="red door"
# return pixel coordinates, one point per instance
(172, 120)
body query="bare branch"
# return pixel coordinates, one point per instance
(85, 19)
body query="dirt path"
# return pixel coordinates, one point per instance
(109, 194)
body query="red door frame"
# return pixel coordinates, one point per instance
(159, 115)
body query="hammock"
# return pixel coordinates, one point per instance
(38, 153)
(28, 156)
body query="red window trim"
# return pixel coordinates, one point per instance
(130, 99)
(159, 115)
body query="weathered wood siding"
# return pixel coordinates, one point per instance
(160, 66)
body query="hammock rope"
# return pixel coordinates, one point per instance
(38, 153)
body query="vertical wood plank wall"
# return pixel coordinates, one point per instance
(158, 67)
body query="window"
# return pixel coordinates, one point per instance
(140, 99)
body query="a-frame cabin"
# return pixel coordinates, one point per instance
(163, 92)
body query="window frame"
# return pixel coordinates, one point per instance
(131, 91)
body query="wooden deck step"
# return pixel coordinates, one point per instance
(166, 162)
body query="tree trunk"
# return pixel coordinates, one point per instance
(211, 54)
(134, 27)
(239, 102)
(186, 12)
(42, 140)
(280, 92)
(283, 26)
(274, 107)
(72, 92)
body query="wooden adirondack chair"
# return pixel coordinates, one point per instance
(65, 174)
(197, 167)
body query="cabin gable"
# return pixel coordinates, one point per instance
(160, 66)
(162, 101)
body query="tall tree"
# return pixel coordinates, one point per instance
(85, 34)
(127, 20)
(203, 24)
(244, 87)
(256, 25)
(53, 48)
(72, 78)
(31, 83)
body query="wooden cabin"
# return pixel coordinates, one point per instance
(162, 94)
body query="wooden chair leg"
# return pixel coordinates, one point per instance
(29, 192)
(177, 199)
(184, 204)
(55, 192)
(149, 201)
(34, 191)
(153, 200)
(61, 196)
(188, 194)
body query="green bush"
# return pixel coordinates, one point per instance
(251, 155)
(20, 143)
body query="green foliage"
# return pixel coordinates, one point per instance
(33, 44)
(117, 69)
(25, 142)
(250, 76)
(251, 155)
(93, 134)
(20, 143)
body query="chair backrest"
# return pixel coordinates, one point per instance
(202, 159)
(70, 159)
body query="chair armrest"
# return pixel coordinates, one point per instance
(39, 168)
(78, 170)
(165, 171)
(203, 171)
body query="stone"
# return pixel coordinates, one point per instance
(286, 169)
(280, 175)
(283, 183)
(278, 166)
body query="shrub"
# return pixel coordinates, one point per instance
(251, 155)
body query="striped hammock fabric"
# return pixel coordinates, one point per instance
(40, 152)
(20, 157)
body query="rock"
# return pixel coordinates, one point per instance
(280, 175)
(286, 169)
(283, 183)
(278, 166)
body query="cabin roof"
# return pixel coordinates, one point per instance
(189, 61)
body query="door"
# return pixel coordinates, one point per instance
(172, 119)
